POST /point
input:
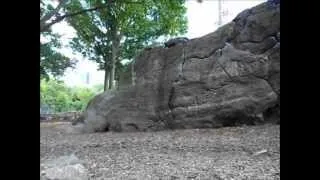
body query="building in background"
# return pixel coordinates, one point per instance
(84, 74)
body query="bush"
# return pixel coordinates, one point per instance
(57, 97)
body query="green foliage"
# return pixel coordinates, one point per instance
(60, 98)
(98, 88)
(51, 61)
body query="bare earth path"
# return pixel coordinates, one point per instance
(226, 153)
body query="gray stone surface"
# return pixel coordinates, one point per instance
(64, 168)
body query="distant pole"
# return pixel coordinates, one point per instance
(88, 78)
(219, 13)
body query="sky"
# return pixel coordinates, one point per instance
(202, 20)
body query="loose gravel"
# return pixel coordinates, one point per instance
(247, 152)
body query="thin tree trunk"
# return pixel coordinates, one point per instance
(112, 74)
(106, 79)
(113, 65)
(133, 76)
(110, 82)
(106, 75)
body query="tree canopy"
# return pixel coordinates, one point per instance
(51, 60)
(107, 31)
(123, 28)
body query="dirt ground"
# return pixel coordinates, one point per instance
(203, 154)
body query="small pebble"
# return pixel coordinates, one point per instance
(43, 173)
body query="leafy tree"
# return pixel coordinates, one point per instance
(51, 61)
(54, 94)
(50, 15)
(57, 14)
(121, 29)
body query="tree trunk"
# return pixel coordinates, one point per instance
(114, 57)
(106, 79)
(133, 75)
(112, 74)
(109, 82)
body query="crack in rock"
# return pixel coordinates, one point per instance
(220, 54)
(205, 56)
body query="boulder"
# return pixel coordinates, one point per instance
(69, 172)
(175, 41)
(64, 168)
(226, 78)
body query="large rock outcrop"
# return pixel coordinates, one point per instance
(226, 78)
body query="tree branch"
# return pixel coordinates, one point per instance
(53, 12)
(45, 26)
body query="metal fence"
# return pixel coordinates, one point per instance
(46, 109)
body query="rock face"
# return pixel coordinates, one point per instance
(226, 78)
